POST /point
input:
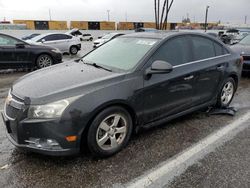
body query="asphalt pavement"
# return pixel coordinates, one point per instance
(228, 166)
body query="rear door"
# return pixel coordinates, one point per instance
(209, 63)
(63, 42)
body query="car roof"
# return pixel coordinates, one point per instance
(164, 34)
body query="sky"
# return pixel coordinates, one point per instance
(233, 11)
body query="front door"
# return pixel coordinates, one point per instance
(11, 55)
(168, 94)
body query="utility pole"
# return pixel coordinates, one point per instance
(50, 15)
(126, 16)
(206, 18)
(108, 11)
(245, 19)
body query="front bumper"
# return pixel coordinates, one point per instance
(79, 46)
(57, 57)
(20, 132)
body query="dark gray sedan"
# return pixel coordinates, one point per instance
(132, 82)
(243, 48)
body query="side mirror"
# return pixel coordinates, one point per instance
(159, 67)
(43, 40)
(20, 45)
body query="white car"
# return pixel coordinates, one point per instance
(105, 39)
(65, 43)
(77, 33)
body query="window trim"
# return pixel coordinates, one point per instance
(198, 61)
(173, 38)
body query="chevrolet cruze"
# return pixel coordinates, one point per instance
(134, 81)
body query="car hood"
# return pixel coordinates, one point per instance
(32, 42)
(62, 81)
(241, 49)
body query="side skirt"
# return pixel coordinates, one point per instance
(169, 118)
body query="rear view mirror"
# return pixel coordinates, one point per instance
(20, 45)
(160, 67)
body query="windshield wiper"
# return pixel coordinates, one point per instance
(96, 66)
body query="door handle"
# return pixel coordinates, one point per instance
(189, 77)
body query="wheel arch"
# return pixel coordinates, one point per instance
(100, 108)
(42, 53)
(235, 77)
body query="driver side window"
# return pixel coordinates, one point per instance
(176, 51)
(7, 41)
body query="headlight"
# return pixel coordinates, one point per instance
(49, 111)
(56, 50)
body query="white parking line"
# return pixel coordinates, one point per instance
(168, 170)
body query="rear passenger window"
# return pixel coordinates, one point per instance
(203, 48)
(175, 51)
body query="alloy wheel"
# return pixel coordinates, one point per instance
(112, 132)
(44, 61)
(227, 93)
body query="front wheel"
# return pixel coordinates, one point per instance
(109, 132)
(227, 93)
(43, 61)
(73, 50)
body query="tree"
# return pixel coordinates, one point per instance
(160, 22)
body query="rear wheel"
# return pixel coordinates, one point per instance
(109, 132)
(227, 93)
(91, 39)
(44, 60)
(73, 50)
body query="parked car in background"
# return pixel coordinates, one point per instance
(243, 49)
(15, 53)
(64, 42)
(135, 81)
(77, 33)
(28, 37)
(233, 36)
(105, 39)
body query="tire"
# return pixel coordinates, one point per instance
(109, 132)
(91, 39)
(73, 50)
(226, 94)
(44, 60)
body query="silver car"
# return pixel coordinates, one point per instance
(64, 42)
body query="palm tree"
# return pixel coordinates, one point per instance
(168, 7)
(156, 19)
(159, 21)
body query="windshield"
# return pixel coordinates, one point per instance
(121, 53)
(245, 40)
(37, 38)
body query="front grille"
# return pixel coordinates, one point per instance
(13, 106)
